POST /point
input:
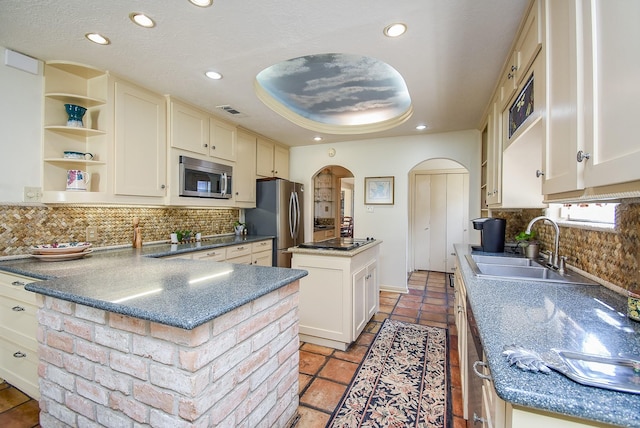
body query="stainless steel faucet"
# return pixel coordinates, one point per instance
(553, 257)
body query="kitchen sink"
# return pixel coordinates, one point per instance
(497, 260)
(518, 268)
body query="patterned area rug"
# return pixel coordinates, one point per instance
(402, 381)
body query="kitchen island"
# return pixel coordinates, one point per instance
(541, 316)
(125, 338)
(341, 292)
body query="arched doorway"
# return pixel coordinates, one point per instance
(439, 213)
(333, 190)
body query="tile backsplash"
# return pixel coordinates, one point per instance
(612, 255)
(22, 226)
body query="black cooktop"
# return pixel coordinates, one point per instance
(344, 244)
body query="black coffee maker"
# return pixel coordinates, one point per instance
(492, 232)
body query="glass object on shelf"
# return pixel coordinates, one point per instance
(75, 113)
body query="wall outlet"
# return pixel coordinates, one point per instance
(369, 208)
(92, 233)
(32, 194)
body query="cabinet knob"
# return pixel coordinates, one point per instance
(539, 173)
(582, 156)
(206, 145)
(162, 186)
(510, 76)
(213, 147)
(514, 67)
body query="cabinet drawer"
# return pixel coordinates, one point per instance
(18, 321)
(12, 286)
(263, 258)
(187, 256)
(256, 247)
(215, 255)
(19, 367)
(245, 260)
(238, 250)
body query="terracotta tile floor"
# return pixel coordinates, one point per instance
(326, 372)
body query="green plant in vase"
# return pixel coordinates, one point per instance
(529, 243)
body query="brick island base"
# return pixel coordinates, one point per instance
(99, 368)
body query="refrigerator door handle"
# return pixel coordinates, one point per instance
(297, 229)
(291, 214)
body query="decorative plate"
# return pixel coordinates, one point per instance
(62, 257)
(60, 248)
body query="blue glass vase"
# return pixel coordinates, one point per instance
(75, 114)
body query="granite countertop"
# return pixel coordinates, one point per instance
(334, 253)
(134, 282)
(540, 316)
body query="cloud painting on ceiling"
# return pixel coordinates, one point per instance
(336, 90)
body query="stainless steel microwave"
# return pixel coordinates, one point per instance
(203, 179)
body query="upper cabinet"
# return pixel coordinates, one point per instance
(511, 152)
(592, 62)
(81, 144)
(222, 140)
(140, 141)
(244, 175)
(272, 160)
(197, 131)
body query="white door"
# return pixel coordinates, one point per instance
(440, 217)
(421, 222)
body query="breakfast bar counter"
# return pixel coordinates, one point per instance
(125, 338)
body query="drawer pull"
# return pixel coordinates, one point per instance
(213, 253)
(17, 308)
(18, 283)
(19, 354)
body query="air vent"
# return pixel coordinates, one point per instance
(232, 111)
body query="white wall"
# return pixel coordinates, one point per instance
(21, 135)
(388, 157)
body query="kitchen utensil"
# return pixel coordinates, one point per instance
(78, 180)
(616, 373)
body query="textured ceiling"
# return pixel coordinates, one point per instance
(450, 56)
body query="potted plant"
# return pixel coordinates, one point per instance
(529, 243)
(239, 227)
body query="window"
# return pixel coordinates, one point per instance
(595, 213)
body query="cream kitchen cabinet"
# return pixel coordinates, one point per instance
(526, 48)
(339, 296)
(257, 253)
(493, 180)
(222, 140)
(188, 127)
(244, 173)
(272, 160)
(18, 329)
(71, 83)
(591, 109)
(365, 296)
(460, 308)
(196, 131)
(140, 142)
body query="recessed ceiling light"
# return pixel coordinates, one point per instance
(201, 3)
(317, 138)
(395, 30)
(142, 20)
(97, 38)
(421, 127)
(213, 75)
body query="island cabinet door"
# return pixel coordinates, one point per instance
(359, 301)
(372, 290)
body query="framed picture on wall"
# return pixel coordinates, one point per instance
(378, 190)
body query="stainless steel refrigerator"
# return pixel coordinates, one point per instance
(279, 212)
